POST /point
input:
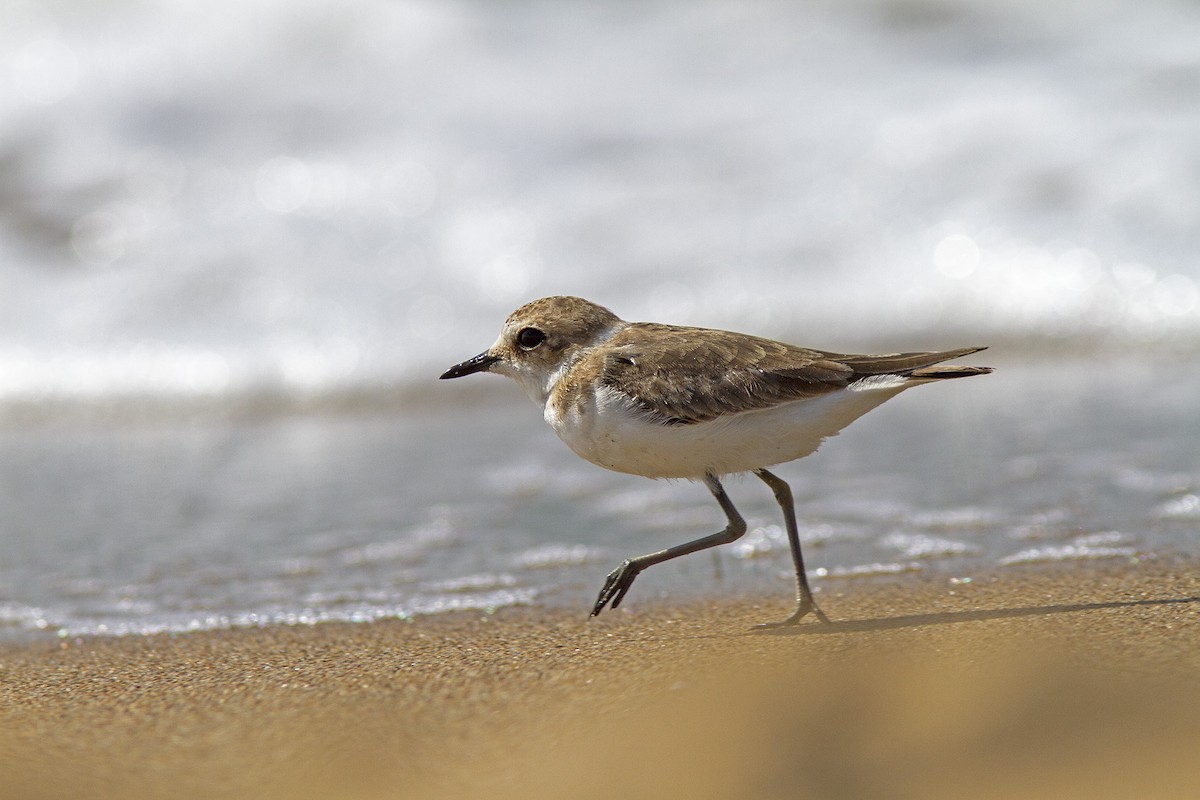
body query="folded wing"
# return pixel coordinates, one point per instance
(702, 374)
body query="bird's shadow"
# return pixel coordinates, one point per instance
(950, 617)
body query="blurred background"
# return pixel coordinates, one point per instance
(239, 240)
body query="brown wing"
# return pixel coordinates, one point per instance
(686, 375)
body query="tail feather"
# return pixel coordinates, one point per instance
(948, 371)
(917, 365)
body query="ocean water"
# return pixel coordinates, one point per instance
(238, 244)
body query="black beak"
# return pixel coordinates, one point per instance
(477, 364)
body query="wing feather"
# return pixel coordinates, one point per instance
(687, 375)
(680, 375)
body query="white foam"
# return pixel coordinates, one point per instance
(241, 258)
(1103, 544)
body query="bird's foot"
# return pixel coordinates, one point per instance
(805, 607)
(616, 585)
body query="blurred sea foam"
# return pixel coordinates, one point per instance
(300, 199)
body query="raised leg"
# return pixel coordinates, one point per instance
(621, 578)
(804, 596)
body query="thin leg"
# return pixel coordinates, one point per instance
(621, 578)
(804, 596)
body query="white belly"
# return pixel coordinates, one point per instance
(610, 431)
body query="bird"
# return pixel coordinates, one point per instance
(669, 401)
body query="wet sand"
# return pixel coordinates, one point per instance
(1052, 682)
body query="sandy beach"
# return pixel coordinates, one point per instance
(1047, 682)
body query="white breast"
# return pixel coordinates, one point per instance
(607, 428)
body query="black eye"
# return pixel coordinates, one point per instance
(530, 338)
